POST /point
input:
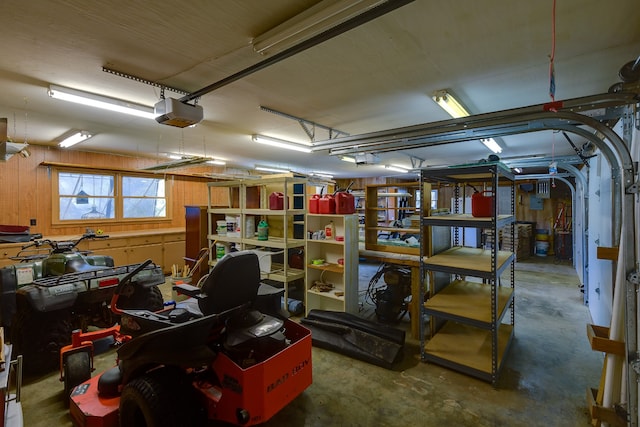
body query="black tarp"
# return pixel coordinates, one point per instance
(353, 336)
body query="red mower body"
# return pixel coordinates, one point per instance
(228, 392)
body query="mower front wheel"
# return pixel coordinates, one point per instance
(76, 370)
(161, 398)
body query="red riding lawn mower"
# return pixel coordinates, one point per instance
(211, 357)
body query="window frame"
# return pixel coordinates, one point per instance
(117, 197)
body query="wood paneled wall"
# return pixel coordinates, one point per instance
(25, 190)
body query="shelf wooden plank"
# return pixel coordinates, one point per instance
(225, 238)
(334, 268)
(274, 212)
(467, 259)
(469, 300)
(467, 349)
(329, 241)
(466, 220)
(275, 242)
(396, 229)
(331, 294)
(277, 273)
(225, 211)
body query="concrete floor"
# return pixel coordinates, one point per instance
(544, 382)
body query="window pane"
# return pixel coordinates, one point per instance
(145, 208)
(142, 187)
(74, 184)
(93, 208)
(434, 199)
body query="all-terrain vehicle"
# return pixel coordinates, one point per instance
(56, 288)
(211, 357)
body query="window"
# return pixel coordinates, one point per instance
(111, 196)
(143, 197)
(85, 196)
(434, 199)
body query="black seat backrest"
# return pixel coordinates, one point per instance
(233, 281)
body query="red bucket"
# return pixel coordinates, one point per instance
(481, 205)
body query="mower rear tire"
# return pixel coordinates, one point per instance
(39, 338)
(161, 398)
(143, 299)
(76, 370)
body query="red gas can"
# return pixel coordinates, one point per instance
(327, 204)
(345, 203)
(277, 202)
(314, 204)
(481, 205)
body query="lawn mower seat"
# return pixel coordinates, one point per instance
(233, 281)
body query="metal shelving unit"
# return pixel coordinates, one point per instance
(472, 313)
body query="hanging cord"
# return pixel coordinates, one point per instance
(552, 91)
(552, 72)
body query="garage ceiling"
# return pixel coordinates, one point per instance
(494, 55)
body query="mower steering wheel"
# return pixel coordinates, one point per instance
(126, 279)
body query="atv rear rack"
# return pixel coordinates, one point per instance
(96, 272)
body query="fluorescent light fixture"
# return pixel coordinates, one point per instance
(174, 156)
(492, 145)
(322, 175)
(275, 142)
(271, 169)
(74, 138)
(99, 101)
(216, 162)
(348, 159)
(396, 168)
(455, 109)
(517, 170)
(313, 21)
(449, 104)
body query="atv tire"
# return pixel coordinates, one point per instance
(143, 299)
(161, 398)
(39, 338)
(76, 370)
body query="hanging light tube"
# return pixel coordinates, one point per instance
(492, 145)
(349, 159)
(271, 169)
(100, 101)
(396, 168)
(312, 22)
(456, 110)
(449, 104)
(216, 162)
(74, 138)
(280, 143)
(322, 175)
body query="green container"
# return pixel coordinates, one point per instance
(263, 230)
